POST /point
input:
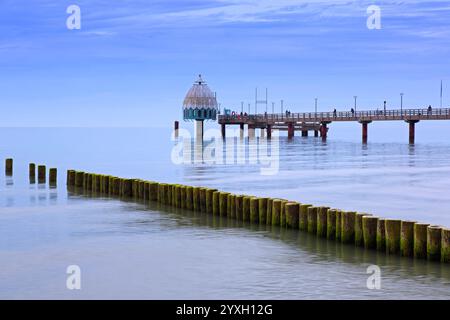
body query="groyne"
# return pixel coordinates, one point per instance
(392, 236)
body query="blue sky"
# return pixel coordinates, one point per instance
(133, 61)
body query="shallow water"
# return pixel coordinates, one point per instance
(137, 250)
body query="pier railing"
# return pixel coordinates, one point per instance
(369, 115)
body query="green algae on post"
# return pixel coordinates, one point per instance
(381, 235)
(292, 214)
(369, 227)
(348, 219)
(276, 208)
(359, 238)
(254, 204)
(322, 221)
(407, 238)
(434, 243)
(392, 229)
(312, 220)
(262, 210)
(445, 245)
(331, 224)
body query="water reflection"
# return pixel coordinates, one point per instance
(319, 249)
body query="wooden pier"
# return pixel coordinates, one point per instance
(318, 121)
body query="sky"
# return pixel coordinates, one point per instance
(133, 61)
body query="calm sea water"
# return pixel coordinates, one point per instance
(138, 250)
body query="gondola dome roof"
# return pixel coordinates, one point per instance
(200, 96)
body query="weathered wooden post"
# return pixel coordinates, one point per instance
(9, 167)
(196, 198)
(420, 240)
(338, 224)
(322, 221)
(70, 180)
(359, 237)
(216, 203)
(445, 245)
(202, 199)
(369, 227)
(292, 214)
(303, 219)
(407, 238)
(32, 173)
(209, 200)
(269, 211)
(233, 206)
(127, 187)
(79, 178)
(52, 176)
(246, 209)
(331, 224)
(348, 226)
(189, 198)
(239, 206)
(392, 236)
(312, 220)
(223, 201)
(381, 235)
(276, 208)
(254, 215)
(262, 210)
(154, 186)
(434, 243)
(42, 174)
(283, 213)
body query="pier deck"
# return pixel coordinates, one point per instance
(318, 121)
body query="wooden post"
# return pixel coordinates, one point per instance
(246, 209)
(348, 227)
(407, 238)
(269, 212)
(239, 203)
(216, 204)
(445, 245)
(276, 209)
(52, 176)
(331, 224)
(392, 236)
(434, 243)
(254, 206)
(322, 221)
(338, 225)
(223, 201)
(42, 175)
(9, 167)
(381, 235)
(369, 227)
(359, 237)
(32, 173)
(292, 215)
(303, 219)
(312, 220)
(262, 210)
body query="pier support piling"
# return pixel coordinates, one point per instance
(269, 131)
(251, 131)
(291, 131)
(412, 130)
(199, 130)
(223, 131)
(365, 125)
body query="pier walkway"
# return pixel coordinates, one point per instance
(319, 121)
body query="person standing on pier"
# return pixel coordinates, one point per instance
(385, 107)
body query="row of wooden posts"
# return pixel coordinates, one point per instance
(393, 236)
(41, 172)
